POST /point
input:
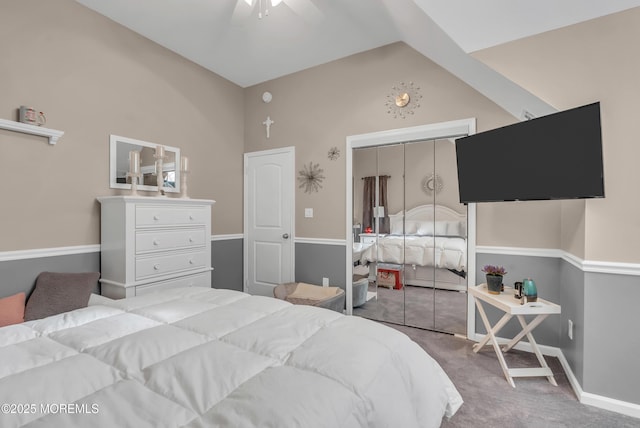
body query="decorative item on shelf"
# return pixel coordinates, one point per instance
(134, 170)
(31, 116)
(184, 168)
(494, 275)
(403, 100)
(529, 291)
(159, 157)
(517, 286)
(310, 178)
(432, 183)
(334, 153)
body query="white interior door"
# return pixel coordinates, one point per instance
(269, 206)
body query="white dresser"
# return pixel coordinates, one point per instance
(153, 243)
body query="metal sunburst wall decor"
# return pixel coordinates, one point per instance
(432, 183)
(334, 153)
(403, 100)
(310, 178)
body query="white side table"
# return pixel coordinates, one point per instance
(511, 306)
(370, 238)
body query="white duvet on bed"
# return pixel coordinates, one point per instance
(201, 357)
(439, 252)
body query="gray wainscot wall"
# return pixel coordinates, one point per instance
(601, 301)
(317, 261)
(226, 260)
(20, 274)
(545, 271)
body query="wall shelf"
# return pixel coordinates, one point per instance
(52, 134)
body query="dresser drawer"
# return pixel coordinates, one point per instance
(158, 215)
(161, 240)
(198, 280)
(150, 266)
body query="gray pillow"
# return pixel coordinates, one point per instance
(58, 292)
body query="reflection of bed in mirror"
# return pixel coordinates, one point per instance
(429, 241)
(359, 248)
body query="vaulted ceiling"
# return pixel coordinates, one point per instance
(250, 44)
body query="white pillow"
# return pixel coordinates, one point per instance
(410, 227)
(441, 228)
(426, 228)
(396, 228)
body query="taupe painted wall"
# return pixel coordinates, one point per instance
(593, 61)
(93, 77)
(318, 108)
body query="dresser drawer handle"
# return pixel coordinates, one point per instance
(156, 217)
(190, 239)
(156, 267)
(191, 217)
(155, 242)
(191, 261)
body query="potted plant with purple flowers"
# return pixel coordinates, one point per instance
(494, 275)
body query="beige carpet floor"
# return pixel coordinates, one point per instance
(489, 401)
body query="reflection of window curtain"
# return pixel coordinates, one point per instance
(369, 202)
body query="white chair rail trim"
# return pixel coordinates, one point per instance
(227, 237)
(37, 253)
(592, 266)
(320, 241)
(47, 252)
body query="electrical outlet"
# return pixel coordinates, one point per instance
(325, 282)
(308, 212)
(570, 329)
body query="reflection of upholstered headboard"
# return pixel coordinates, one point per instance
(429, 219)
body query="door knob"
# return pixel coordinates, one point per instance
(285, 236)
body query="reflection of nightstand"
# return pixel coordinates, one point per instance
(369, 238)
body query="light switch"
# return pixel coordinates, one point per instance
(308, 212)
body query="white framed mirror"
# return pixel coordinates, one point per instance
(119, 148)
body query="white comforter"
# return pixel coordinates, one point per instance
(201, 357)
(439, 252)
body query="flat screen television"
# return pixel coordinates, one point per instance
(558, 156)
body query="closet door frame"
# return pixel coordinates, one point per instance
(442, 130)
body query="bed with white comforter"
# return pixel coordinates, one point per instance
(202, 357)
(441, 252)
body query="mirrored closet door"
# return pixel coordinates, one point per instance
(410, 236)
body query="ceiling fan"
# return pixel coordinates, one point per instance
(303, 8)
(264, 5)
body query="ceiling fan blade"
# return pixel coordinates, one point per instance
(305, 9)
(242, 10)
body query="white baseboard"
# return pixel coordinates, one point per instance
(595, 400)
(606, 403)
